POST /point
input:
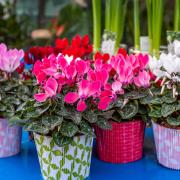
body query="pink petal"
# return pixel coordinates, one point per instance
(98, 64)
(106, 93)
(37, 67)
(143, 60)
(104, 103)
(117, 87)
(41, 97)
(40, 77)
(71, 97)
(94, 88)
(62, 62)
(71, 72)
(81, 67)
(134, 61)
(3, 48)
(51, 87)
(107, 86)
(142, 80)
(102, 76)
(84, 88)
(91, 76)
(50, 71)
(81, 106)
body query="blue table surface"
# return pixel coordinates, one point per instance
(25, 166)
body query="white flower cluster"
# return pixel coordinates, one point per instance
(168, 65)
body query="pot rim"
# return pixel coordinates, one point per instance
(126, 122)
(48, 136)
(164, 126)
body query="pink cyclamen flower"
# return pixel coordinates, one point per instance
(117, 87)
(86, 89)
(143, 60)
(10, 59)
(143, 79)
(50, 89)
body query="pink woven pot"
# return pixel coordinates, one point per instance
(10, 139)
(122, 144)
(167, 146)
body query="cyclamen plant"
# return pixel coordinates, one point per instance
(163, 102)
(14, 84)
(74, 94)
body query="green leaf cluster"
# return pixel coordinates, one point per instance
(12, 94)
(163, 108)
(57, 119)
(129, 106)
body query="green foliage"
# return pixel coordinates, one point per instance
(61, 140)
(14, 30)
(11, 96)
(57, 119)
(131, 105)
(163, 108)
(173, 121)
(129, 110)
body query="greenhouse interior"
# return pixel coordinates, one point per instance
(89, 89)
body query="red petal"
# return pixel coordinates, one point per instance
(122, 51)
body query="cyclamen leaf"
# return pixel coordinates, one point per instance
(173, 121)
(136, 94)
(129, 110)
(151, 100)
(2, 107)
(69, 129)
(103, 123)
(119, 102)
(61, 140)
(52, 121)
(36, 127)
(85, 128)
(76, 117)
(168, 98)
(90, 116)
(168, 109)
(155, 112)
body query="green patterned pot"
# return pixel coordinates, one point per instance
(71, 162)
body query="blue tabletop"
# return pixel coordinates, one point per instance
(25, 166)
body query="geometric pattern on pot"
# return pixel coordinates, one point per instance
(71, 162)
(167, 143)
(10, 139)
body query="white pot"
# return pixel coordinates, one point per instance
(167, 142)
(64, 163)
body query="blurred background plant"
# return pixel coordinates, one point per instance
(13, 29)
(39, 22)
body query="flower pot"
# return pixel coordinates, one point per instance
(10, 139)
(122, 144)
(68, 162)
(167, 143)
